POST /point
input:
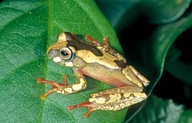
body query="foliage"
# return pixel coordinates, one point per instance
(27, 28)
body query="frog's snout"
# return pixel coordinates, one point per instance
(52, 54)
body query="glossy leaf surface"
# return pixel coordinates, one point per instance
(26, 30)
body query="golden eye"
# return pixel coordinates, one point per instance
(66, 53)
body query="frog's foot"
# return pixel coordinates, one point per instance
(83, 104)
(55, 86)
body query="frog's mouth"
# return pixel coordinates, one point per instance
(54, 55)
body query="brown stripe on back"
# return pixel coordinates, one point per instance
(120, 63)
(69, 36)
(78, 45)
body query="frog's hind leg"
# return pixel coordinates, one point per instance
(112, 99)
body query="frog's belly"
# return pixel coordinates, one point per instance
(113, 77)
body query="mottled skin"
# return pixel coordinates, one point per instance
(100, 62)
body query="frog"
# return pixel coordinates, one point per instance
(98, 61)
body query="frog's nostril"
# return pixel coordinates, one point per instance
(53, 53)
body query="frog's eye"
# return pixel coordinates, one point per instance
(66, 53)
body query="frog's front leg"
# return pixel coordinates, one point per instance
(64, 88)
(113, 99)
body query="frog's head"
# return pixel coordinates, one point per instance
(63, 52)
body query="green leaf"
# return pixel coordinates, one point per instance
(153, 52)
(160, 42)
(120, 13)
(176, 67)
(123, 13)
(27, 28)
(157, 110)
(186, 117)
(163, 11)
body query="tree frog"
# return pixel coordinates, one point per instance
(100, 62)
